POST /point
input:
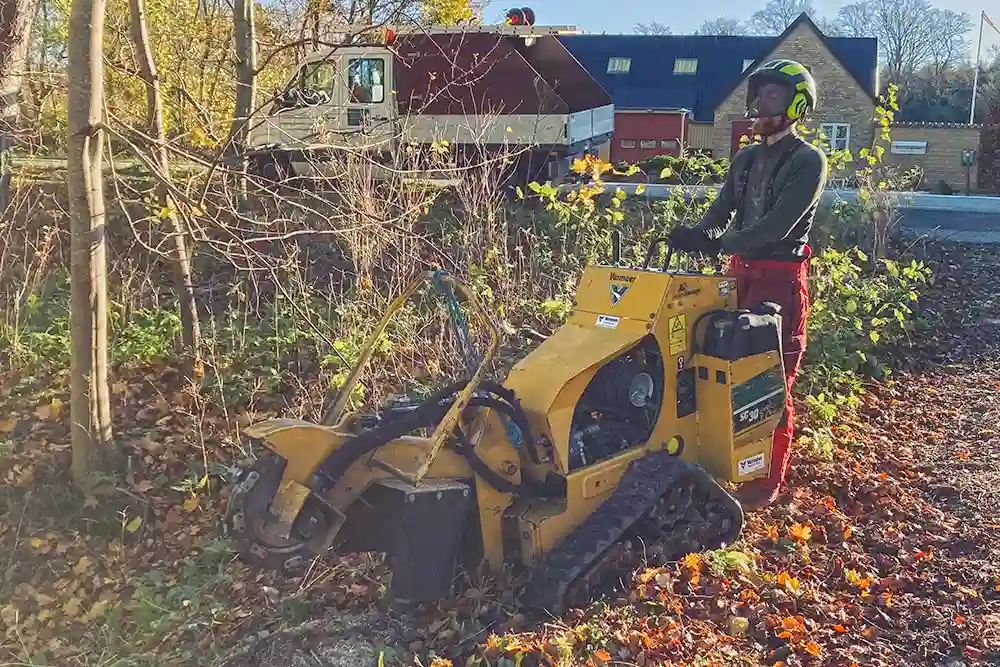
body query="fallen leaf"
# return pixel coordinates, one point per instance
(133, 525)
(82, 565)
(799, 532)
(72, 607)
(96, 611)
(191, 503)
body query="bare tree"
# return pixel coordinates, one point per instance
(652, 28)
(906, 32)
(15, 22)
(181, 260)
(951, 43)
(856, 20)
(778, 15)
(90, 404)
(246, 82)
(722, 25)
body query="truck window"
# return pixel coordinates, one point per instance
(365, 80)
(318, 76)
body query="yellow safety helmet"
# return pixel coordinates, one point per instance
(788, 73)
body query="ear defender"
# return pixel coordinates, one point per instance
(798, 107)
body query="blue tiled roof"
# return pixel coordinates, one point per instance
(652, 84)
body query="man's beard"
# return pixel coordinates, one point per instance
(769, 125)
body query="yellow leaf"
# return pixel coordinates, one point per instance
(36, 543)
(9, 615)
(191, 504)
(72, 607)
(82, 565)
(133, 525)
(96, 611)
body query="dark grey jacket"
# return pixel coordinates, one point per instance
(769, 225)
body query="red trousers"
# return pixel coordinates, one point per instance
(783, 283)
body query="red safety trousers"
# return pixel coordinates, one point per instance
(783, 283)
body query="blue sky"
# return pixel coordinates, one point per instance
(595, 16)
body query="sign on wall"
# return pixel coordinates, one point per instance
(908, 147)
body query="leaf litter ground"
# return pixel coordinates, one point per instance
(888, 554)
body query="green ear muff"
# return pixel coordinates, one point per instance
(798, 107)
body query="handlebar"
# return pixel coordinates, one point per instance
(652, 249)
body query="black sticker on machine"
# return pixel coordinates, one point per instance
(758, 399)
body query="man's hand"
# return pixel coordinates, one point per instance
(691, 239)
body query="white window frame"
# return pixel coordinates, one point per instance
(618, 65)
(669, 144)
(829, 130)
(685, 66)
(747, 62)
(628, 143)
(648, 144)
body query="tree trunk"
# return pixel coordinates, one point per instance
(15, 29)
(181, 261)
(245, 37)
(90, 406)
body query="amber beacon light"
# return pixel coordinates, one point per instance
(522, 16)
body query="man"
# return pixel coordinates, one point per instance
(773, 188)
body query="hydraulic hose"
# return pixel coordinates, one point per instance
(430, 412)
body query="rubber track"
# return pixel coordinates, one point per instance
(643, 484)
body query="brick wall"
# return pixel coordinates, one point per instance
(943, 159)
(841, 99)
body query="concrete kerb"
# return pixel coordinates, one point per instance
(911, 200)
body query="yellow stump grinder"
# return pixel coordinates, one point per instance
(606, 443)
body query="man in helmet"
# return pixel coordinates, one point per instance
(762, 218)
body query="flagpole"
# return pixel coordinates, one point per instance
(975, 78)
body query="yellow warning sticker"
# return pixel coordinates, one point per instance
(677, 333)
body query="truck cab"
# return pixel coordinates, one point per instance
(475, 89)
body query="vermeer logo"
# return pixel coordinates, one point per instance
(617, 292)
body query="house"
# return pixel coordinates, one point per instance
(672, 91)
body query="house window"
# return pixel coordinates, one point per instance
(628, 143)
(647, 143)
(619, 65)
(669, 144)
(747, 62)
(685, 65)
(838, 135)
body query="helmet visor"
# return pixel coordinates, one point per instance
(768, 97)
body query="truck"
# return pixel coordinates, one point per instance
(510, 92)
